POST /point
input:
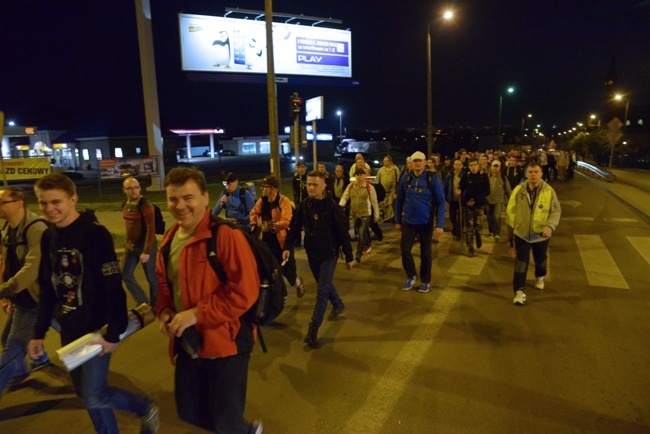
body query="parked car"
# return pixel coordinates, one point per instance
(127, 169)
(289, 157)
(227, 153)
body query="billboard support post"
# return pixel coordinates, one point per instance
(271, 91)
(313, 132)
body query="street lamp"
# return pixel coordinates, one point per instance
(448, 15)
(530, 115)
(340, 115)
(509, 90)
(619, 97)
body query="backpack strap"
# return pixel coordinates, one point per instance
(212, 249)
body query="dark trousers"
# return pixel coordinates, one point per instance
(454, 216)
(523, 249)
(289, 270)
(211, 393)
(424, 233)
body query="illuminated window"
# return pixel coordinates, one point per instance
(86, 154)
(118, 153)
(249, 148)
(98, 154)
(265, 147)
(138, 151)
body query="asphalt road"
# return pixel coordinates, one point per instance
(459, 359)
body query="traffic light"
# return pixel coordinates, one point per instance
(295, 105)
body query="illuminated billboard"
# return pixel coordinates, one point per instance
(238, 46)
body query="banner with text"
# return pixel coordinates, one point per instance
(23, 169)
(234, 45)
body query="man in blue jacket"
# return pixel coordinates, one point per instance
(420, 199)
(237, 202)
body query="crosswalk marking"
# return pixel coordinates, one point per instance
(385, 393)
(642, 245)
(621, 220)
(600, 267)
(472, 266)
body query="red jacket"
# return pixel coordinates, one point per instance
(219, 305)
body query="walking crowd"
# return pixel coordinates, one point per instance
(60, 271)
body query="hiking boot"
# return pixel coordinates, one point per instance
(150, 422)
(479, 241)
(539, 283)
(520, 298)
(424, 287)
(255, 427)
(311, 338)
(300, 287)
(409, 283)
(337, 310)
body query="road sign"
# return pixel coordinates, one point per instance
(615, 124)
(613, 137)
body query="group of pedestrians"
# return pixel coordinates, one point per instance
(69, 259)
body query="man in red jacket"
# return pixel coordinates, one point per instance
(211, 369)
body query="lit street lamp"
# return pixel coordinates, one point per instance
(340, 115)
(522, 124)
(446, 16)
(510, 90)
(619, 97)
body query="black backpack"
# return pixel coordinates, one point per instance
(158, 218)
(270, 301)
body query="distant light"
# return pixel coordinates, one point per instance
(618, 96)
(339, 113)
(448, 15)
(530, 115)
(539, 126)
(12, 123)
(511, 89)
(197, 131)
(593, 116)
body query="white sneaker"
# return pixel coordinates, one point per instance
(539, 283)
(520, 297)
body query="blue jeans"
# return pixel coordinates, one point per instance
(18, 331)
(131, 260)
(90, 382)
(323, 272)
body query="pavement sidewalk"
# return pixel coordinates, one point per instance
(631, 186)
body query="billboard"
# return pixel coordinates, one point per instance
(113, 168)
(314, 108)
(23, 169)
(239, 46)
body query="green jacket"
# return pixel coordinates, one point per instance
(526, 223)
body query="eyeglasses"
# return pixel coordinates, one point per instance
(7, 201)
(137, 187)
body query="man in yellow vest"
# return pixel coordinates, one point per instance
(533, 213)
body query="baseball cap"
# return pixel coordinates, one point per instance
(418, 156)
(271, 181)
(496, 163)
(230, 177)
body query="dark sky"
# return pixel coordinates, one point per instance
(75, 65)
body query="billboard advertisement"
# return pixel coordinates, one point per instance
(113, 168)
(239, 46)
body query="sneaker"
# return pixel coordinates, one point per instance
(311, 338)
(409, 283)
(366, 250)
(336, 311)
(520, 297)
(150, 422)
(424, 287)
(497, 238)
(479, 241)
(40, 363)
(539, 283)
(255, 427)
(300, 287)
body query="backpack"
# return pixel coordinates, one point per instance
(12, 264)
(270, 301)
(243, 188)
(429, 180)
(158, 218)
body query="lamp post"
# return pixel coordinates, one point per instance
(530, 115)
(509, 90)
(620, 97)
(446, 16)
(339, 113)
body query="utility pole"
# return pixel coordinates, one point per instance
(271, 91)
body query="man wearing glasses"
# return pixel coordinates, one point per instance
(21, 256)
(139, 215)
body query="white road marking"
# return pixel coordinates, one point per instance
(381, 400)
(473, 266)
(600, 267)
(642, 245)
(578, 219)
(621, 220)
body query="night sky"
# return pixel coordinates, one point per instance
(74, 65)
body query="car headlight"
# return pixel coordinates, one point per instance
(376, 162)
(293, 158)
